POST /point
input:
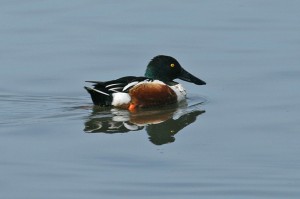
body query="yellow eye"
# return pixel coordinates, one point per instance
(172, 65)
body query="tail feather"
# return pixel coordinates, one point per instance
(99, 97)
(102, 92)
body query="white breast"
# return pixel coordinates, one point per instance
(180, 92)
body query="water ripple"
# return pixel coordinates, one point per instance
(28, 109)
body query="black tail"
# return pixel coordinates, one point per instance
(101, 92)
(99, 97)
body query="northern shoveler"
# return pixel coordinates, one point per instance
(156, 88)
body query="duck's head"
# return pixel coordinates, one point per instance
(166, 69)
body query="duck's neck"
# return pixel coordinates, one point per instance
(158, 75)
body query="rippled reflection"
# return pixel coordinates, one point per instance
(160, 124)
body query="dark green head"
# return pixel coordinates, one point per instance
(166, 69)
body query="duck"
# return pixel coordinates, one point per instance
(155, 89)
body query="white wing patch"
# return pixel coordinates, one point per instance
(98, 91)
(130, 85)
(115, 89)
(139, 82)
(111, 85)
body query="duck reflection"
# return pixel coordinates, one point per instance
(160, 124)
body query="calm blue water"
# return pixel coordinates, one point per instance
(236, 137)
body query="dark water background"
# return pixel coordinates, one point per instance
(237, 137)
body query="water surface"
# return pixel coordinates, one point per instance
(236, 137)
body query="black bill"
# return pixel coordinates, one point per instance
(186, 76)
